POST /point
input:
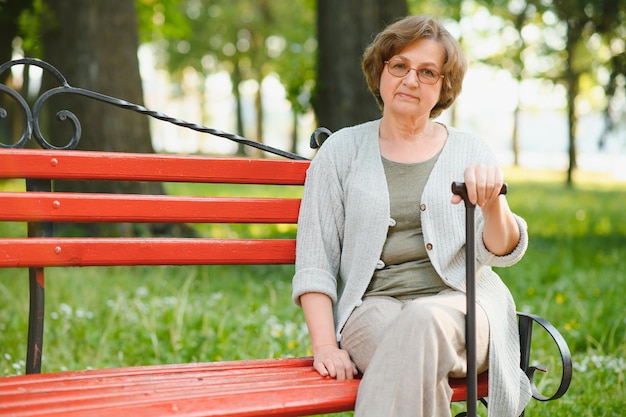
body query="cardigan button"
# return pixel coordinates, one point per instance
(392, 222)
(429, 246)
(380, 264)
(423, 207)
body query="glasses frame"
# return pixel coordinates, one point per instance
(417, 72)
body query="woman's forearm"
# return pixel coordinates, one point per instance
(328, 358)
(501, 233)
(318, 313)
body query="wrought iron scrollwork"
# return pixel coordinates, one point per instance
(28, 128)
(318, 137)
(31, 118)
(32, 129)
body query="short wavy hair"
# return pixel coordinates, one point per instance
(397, 36)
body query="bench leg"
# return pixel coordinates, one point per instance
(36, 278)
(35, 321)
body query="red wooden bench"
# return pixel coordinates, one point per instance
(261, 387)
(285, 387)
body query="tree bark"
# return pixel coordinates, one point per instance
(572, 79)
(11, 127)
(94, 45)
(10, 10)
(345, 28)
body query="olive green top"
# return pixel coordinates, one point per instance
(405, 271)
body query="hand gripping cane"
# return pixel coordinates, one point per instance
(459, 188)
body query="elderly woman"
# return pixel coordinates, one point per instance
(380, 268)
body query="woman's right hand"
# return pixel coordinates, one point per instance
(329, 360)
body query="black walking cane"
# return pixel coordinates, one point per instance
(459, 188)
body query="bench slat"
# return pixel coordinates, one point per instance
(41, 252)
(78, 207)
(118, 166)
(241, 388)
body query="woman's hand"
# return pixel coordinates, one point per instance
(501, 233)
(483, 183)
(329, 360)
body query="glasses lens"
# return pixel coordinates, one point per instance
(428, 76)
(398, 67)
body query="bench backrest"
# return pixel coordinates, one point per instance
(37, 206)
(40, 207)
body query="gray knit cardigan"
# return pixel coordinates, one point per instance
(343, 224)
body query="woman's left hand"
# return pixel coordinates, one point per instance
(483, 183)
(501, 233)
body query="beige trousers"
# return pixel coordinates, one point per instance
(408, 349)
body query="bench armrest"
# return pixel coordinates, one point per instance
(526, 322)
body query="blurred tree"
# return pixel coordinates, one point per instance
(344, 29)
(612, 28)
(576, 43)
(515, 17)
(615, 90)
(584, 23)
(10, 10)
(294, 47)
(94, 44)
(250, 39)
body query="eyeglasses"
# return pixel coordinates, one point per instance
(400, 67)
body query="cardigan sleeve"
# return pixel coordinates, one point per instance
(444, 223)
(486, 257)
(320, 225)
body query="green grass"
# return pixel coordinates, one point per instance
(573, 275)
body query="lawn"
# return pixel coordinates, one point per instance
(573, 275)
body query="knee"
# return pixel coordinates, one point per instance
(430, 317)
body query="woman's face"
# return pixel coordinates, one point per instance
(407, 95)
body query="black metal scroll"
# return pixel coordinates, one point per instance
(31, 124)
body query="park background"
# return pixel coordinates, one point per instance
(564, 155)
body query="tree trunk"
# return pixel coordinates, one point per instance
(572, 92)
(515, 135)
(94, 45)
(10, 11)
(345, 28)
(572, 78)
(236, 80)
(516, 124)
(258, 108)
(294, 132)
(11, 128)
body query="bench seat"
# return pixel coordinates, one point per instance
(229, 388)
